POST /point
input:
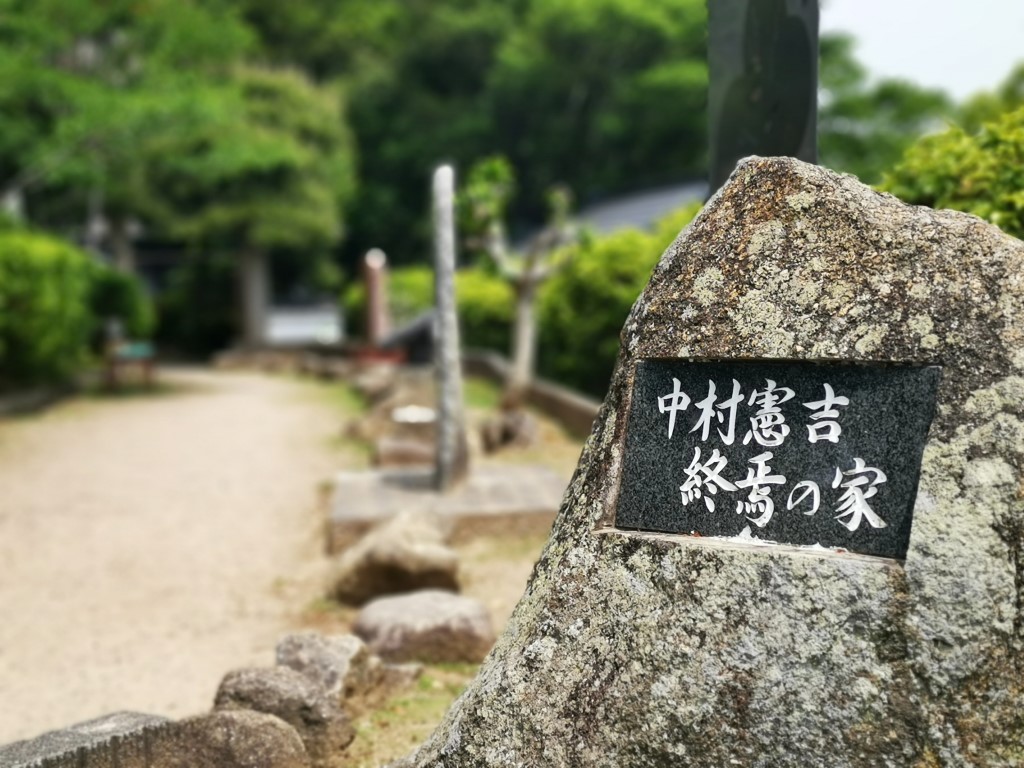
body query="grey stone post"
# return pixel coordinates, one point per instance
(452, 453)
(255, 296)
(378, 317)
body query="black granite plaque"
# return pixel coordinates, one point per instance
(798, 453)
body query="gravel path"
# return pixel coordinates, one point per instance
(150, 544)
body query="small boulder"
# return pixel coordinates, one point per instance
(406, 553)
(317, 717)
(235, 739)
(429, 626)
(509, 428)
(341, 665)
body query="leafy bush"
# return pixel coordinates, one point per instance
(486, 307)
(583, 307)
(45, 316)
(118, 295)
(485, 304)
(981, 173)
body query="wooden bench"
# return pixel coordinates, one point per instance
(127, 354)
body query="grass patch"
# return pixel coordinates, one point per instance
(404, 721)
(341, 396)
(481, 394)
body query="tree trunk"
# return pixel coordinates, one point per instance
(122, 248)
(254, 284)
(524, 342)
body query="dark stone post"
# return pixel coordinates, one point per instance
(763, 69)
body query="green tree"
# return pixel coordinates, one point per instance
(483, 204)
(90, 87)
(603, 96)
(863, 128)
(271, 172)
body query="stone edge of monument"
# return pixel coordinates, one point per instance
(955, 640)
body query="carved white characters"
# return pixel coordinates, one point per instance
(711, 411)
(768, 426)
(708, 475)
(853, 503)
(825, 426)
(675, 401)
(706, 478)
(759, 500)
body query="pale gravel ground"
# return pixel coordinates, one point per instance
(148, 545)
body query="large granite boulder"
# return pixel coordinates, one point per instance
(317, 717)
(430, 626)
(634, 648)
(406, 553)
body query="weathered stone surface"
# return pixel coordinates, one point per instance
(452, 464)
(510, 427)
(233, 739)
(344, 667)
(324, 728)
(123, 736)
(633, 649)
(403, 554)
(429, 626)
(340, 664)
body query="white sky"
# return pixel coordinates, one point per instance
(962, 46)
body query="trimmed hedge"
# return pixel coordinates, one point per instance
(54, 298)
(45, 317)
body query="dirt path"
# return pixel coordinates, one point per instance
(150, 544)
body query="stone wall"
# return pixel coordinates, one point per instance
(124, 740)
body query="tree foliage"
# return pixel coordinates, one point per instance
(987, 106)
(603, 96)
(980, 173)
(864, 127)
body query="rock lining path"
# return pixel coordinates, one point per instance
(150, 544)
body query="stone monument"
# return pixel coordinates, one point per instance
(452, 451)
(795, 536)
(378, 316)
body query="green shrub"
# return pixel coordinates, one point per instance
(486, 308)
(485, 303)
(118, 295)
(45, 317)
(583, 307)
(981, 173)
